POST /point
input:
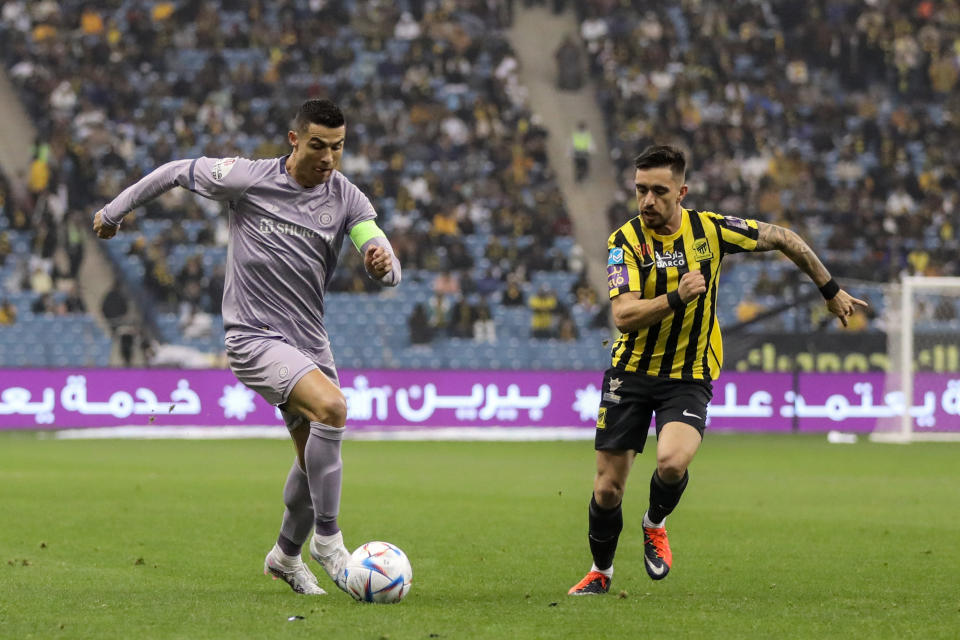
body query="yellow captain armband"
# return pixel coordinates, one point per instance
(366, 230)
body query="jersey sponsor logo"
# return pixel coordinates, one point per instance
(643, 250)
(702, 250)
(734, 222)
(615, 257)
(268, 226)
(222, 168)
(616, 276)
(670, 259)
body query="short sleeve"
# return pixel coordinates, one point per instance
(737, 235)
(623, 271)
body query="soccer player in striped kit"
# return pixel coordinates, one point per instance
(662, 271)
(287, 218)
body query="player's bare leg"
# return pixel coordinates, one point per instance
(676, 446)
(606, 519)
(321, 403)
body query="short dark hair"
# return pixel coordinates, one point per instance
(323, 112)
(663, 156)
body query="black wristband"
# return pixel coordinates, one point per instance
(675, 301)
(830, 290)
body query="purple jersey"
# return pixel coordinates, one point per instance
(284, 240)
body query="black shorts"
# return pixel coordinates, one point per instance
(630, 400)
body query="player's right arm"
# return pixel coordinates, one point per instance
(625, 280)
(631, 312)
(214, 178)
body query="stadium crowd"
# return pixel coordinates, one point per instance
(835, 117)
(439, 132)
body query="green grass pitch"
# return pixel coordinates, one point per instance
(777, 537)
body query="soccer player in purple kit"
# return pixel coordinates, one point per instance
(287, 220)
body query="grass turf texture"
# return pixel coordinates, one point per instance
(776, 537)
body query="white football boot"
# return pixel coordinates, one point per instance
(293, 571)
(332, 556)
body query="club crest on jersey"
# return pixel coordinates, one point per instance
(670, 259)
(222, 168)
(602, 418)
(615, 257)
(702, 250)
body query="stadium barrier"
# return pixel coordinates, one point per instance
(451, 404)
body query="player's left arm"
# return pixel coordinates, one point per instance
(379, 259)
(839, 302)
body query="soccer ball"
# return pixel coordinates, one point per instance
(378, 572)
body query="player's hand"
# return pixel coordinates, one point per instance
(377, 262)
(102, 229)
(843, 305)
(692, 284)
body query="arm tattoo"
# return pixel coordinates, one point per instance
(791, 245)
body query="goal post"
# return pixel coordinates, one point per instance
(922, 319)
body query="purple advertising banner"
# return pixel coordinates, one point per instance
(383, 400)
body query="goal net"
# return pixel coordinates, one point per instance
(922, 385)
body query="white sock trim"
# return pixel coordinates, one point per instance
(647, 522)
(607, 572)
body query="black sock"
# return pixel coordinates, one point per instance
(288, 546)
(605, 527)
(664, 497)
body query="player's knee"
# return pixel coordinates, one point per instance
(671, 468)
(330, 410)
(608, 493)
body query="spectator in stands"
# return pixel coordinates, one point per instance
(40, 280)
(115, 310)
(484, 327)
(544, 306)
(513, 295)
(567, 328)
(438, 312)
(748, 308)
(461, 319)
(446, 283)
(43, 304)
(583, 148)
(5, 248)
(569, 61)
(421, 331)
(8, 313)
(74, 301)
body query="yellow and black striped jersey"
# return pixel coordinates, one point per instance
(685, 345)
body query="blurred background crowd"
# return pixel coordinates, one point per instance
(833, 117)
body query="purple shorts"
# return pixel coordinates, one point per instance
(271, 367)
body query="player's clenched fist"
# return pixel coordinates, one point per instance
(692, 284)
(101, 228)
(377, 261)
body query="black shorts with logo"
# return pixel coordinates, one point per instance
(630, 400)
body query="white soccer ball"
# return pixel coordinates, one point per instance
(378, 572)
